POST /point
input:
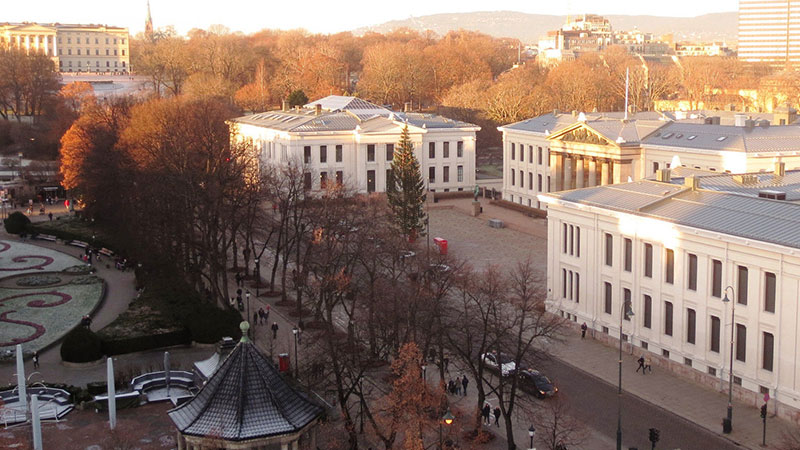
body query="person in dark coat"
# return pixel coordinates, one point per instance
(641, 364)
(35, 360)
(464, 384)
(486, 412)
(274, 330)
(255, 318)
(497, 416)
(584, 327)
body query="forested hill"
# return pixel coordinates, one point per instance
(529, 27)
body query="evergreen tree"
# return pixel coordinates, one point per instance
(406, 189)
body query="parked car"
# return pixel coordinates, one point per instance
(499, 362)
(534, 382)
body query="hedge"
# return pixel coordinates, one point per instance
(81, 345)
(16, 223)
(147, 342)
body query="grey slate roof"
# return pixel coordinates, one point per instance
(553, 122)
(727, 138)
(756, 182)
(760, 219)
(245, 399)
(343, 114)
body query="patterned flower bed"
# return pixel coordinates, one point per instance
(50, 305)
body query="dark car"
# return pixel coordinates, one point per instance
(533, 382)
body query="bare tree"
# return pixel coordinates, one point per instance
(557, 429)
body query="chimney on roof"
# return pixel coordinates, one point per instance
(780, 169)
(692, 182)
(284, 106)
(663, 175)
(318, 109)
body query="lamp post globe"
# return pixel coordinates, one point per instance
(531, 433)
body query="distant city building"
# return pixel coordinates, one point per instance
(74, 48)
(350, 141)
(148, 23)
(768, 31)
(673, 250)
(558, 151)
(703, 49)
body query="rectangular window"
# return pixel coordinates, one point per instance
(648, 260)
(539, 182)
(741, 280)
(513, 177)
(627, 304)
(566, 237)
(79, 52)
(323, 153)
(306, 154)
(769, 292)
(769, 343)
(578, 242)
(670, 266)
(741, 342)
(648, 311)
(77, 40)
(96, 41)
(521, 179)
(715, 334)
(692, 272)
(668, 318)
(445, 149)
(460, 173)
(571, 290)
(389, 152)
(106, 52)
(628, 255)
(460, 149)
(307, 181)
(446, 174)
(432, 150)
(339, 177)
(608, 306)
(564, 283)
(338, 153)
(716, 278)
(370, 181)
(513, 151)
(609, 249)
(530, 180)
(540, 155)
(323, 180)
(577, 287)
(115, 53)
(370, 152)
(548, 183)
(691, 325)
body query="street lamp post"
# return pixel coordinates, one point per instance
(424, 373)
(296, 333)
(258, 276)
(248, 311)
(531, 433)
(447, 419)
(727, 423)
(625, 311)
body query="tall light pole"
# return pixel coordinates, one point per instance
(531, 433)
(727, 424)
(296, 333)
(447, 419)
(258, 276)
(625, 311)
(248, 311)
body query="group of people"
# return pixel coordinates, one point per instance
(261, 315)
(644, 364)
(458, 386)
(487, 414)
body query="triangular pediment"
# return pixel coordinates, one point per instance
(32, 28)
(580, 133)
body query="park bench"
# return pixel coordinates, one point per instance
(80, 244)
(45, 237)
(123, 400)
(106, 252)
(496, 223)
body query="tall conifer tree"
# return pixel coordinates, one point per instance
(406, 188)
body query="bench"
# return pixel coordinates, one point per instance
(106, 252)
(496, 223)
(45, 237)
(80, 244)
(123, 400)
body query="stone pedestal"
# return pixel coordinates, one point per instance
(476, 208)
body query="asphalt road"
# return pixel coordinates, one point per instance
(594, 402)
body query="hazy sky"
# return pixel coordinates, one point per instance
(326, 16)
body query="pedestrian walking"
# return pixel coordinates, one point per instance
(266, 314)
(641, 365)
(497, 416)
(261, 315)
(451, 387)
(583, 330)
(35, 360)
(238, 278)
(464, 384)
(255, 318)
(486, 412)
(458, 387)
(50, 215)
(647, 365)
(274, 330)
(447, 364)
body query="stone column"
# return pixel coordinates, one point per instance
(592, 172)
(579, 172)
(617, 171)
(55, 45)
(568, 163)
(555, 171)
(27, 43)
(604, 174)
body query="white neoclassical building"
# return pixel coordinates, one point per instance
(558, 151)
(351, 141)
(73, 47)
(674, 249)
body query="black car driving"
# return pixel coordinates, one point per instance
(533, 382)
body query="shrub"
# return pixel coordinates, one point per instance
(81, 345)
(207, 324)
(16, 223)
(146, 342)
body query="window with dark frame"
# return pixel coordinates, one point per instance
(648, 311)
(460, 149)
(668, 318)
(389, 152)
(370, 181)
(307, 181)
(323, 180)
(431, 174)
(769, 292)
(432, 150)
(608, 305)
(446, 174)
(628, 255)
(577, 287)
(767, 355)
(370, 152)
(716, 278)
(513, 151)
(540, 156)
(306, 154)
(338, 153)
(323, 153)
(741, 283)
(563, 283)
(339, 177)
(691, 325)
(741, 342)
(627, 297)
(692, 272)
(445, 149)
(670, 266)
(648, 260)
(609, 249)
(715, 334)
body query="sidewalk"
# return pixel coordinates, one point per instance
(691, 401)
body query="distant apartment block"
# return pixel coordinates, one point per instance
(769, 31)
(703, 49)
(73, 48)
